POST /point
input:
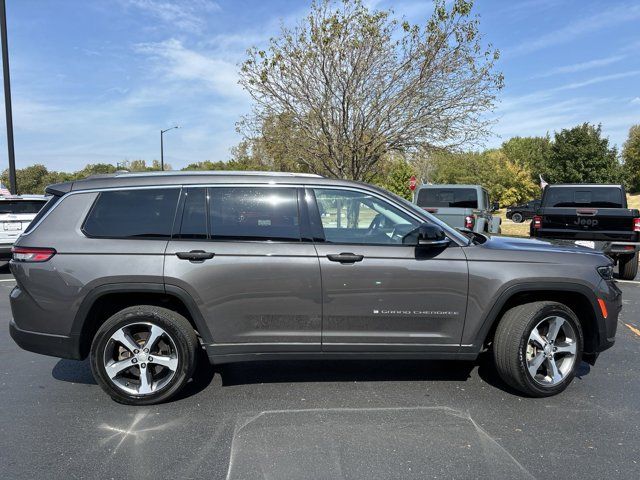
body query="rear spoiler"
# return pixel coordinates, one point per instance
(59, 189)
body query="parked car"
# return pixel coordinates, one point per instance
(593, 216)
(16, 213)
(526, 211)
(140, 272)
(460, 206)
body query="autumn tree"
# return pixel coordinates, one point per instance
(631, 159)
(357, 85)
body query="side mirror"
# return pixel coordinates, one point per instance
(427, 235)
(495, 206)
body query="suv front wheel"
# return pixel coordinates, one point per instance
(537, 347)
(144, 354)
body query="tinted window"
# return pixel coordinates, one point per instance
(21, 206)
(600, 197)
(254, 213)
(353, 217)
(194, 214)
(448, 197)
(133, 214)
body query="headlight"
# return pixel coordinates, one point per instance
(606, 272)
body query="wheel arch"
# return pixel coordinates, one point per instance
(105, 300)
(579, 298)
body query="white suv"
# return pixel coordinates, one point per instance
(16, 213)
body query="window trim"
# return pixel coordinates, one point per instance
(106, 190)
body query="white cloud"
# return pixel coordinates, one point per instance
(635, 101)
(185, 14)
(605, 18)
(582, 66)
(177, 62)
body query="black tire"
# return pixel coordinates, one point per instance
(511, 340)
(179, 334)
(517, 217)
(628, 266)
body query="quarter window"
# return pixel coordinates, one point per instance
(254, 213)
(354, 217)
(144, 213)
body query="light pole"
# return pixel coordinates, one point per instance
(162, 132)
(7, 98)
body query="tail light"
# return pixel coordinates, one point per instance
(636, 224)
(469, 222)
(537, 222)
(29, 254)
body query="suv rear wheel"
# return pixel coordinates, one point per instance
(537, 348)
(517, 217)
(628, 266)
(144, 354)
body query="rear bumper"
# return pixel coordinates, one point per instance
(46, 344)
(611, 248)
(5, 251)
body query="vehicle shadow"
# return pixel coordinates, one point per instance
(79, 371)
(282, 371)
(487, 372)
(74, 371)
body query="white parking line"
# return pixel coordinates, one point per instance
(628, 281)
(8, 280)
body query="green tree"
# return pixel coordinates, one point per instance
(35, 178)
(506, 181)
(94, 169)
(581, 155)
(532, 153)
(631, 159)
(395, 177)
(356, 85)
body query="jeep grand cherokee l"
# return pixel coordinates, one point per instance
(142, 271)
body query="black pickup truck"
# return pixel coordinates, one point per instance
(594, 216)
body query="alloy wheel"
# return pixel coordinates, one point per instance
(551, 351)
(140, 358)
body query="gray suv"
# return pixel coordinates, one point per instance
(143, 272)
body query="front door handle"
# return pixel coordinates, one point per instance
(345, 257)
(195, 255)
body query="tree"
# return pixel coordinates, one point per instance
(35, 178)
(507, 182)
(356, 85)
(631, 159)
(581, 155)
(94, 169)
(395, 176)
(532, 153)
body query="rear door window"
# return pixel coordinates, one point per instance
(143, 213)
(448, 198)
(254, 213)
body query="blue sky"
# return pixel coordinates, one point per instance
(95, 80)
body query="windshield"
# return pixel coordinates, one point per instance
(21, 206)
(448, 197)
(597, 197)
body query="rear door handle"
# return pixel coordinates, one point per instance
(345, 257)
(195, 255)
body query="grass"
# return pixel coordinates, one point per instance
(511, 229)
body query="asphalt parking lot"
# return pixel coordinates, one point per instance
(351, 420)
